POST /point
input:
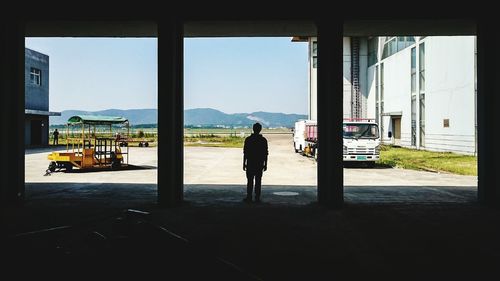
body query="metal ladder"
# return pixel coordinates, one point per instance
(356, 106)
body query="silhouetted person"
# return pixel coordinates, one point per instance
(254, 161)
(56, 137)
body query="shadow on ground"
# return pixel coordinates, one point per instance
(128, 167)
(214, 235)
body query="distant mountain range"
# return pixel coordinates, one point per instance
(212, 117)
(198, 117)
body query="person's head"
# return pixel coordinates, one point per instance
(56, 130)
(257, 127)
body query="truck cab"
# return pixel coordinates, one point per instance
(361, 138)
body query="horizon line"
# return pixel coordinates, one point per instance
(184, 110)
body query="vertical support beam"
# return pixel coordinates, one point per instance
(170, 113)
(12, 111)
(330, 114)
(488, 103)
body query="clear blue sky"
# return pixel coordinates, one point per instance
(100, 73)
(228, 74)
(238, 75)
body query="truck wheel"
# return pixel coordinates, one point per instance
(52, 166)
(146, 144)
(68, 167)
(140, 144)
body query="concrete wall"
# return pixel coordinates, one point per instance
(36, 96)
(397, 87)
(313, 84)
(450, 89)
(313, 78)
(449, 93)
(370, 92)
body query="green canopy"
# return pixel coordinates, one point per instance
(96, 119)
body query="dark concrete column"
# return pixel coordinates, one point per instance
(488, 103)
(170, 113)
(330, 113)
(12, 112)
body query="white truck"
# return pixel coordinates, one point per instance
(299, 135)
(361, 140)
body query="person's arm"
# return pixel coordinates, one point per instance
(245, 156)
(265, 157)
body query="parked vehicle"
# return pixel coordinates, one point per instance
(361, 140)
(311, 140)
(299, 135)
(91, 144)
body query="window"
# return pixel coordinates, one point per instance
(372, 51)
(314, 52)
(413, 71)
(382, 82)
(421, 68)
(422, 120)
(381, 97)
(410, 40)
(413, 120)
(401, 42)
(413, 95)
(396, 44)
(36, 76)
(357, 131)
(390, 47)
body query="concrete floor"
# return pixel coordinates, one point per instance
(395, 224)
(206, 165)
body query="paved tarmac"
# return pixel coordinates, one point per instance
(395, 224)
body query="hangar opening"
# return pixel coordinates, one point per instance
(91, 120)
(400, 94)
(230, 84)
(412, 89)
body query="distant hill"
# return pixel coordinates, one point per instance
(212, 117)
(199, 117)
